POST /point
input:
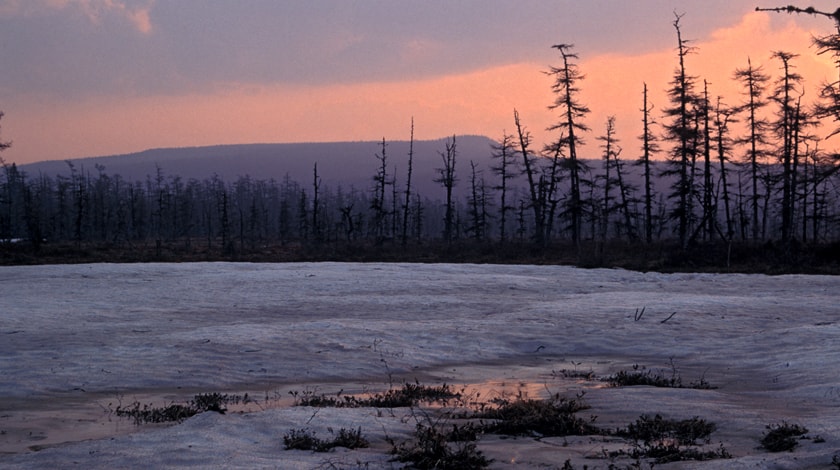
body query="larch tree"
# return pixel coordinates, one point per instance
(723, 143)
(448, 179)
(755, 83)
(6, 198)
(826, 44)
(530, 168)
(377, 204)
(477, 203)
(504, 152)
(316, 203)
(570, 127)
(407, 204)
(650, 147)
(709, 221)
(608, 145)
(683, 131)
(625, 192)
(785, 126)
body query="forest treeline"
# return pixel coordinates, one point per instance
(749, 172)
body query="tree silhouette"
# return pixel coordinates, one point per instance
(447, 179)
(650, 147)
(683, 132)
(529, 165)
(504, 153)
(407, 204)
(786, 126)
(755, 85)
(565, 88)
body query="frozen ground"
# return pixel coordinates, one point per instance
(75, 341)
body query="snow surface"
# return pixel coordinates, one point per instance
(78, 340)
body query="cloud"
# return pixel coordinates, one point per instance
(96, 11)
(238, 108)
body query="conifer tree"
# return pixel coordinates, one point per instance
(504, 153)
(650, 147)
(570, 127)
(755, 84)
(682, 130)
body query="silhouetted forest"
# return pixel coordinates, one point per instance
(747, 181)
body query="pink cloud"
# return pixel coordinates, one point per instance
(479, 102)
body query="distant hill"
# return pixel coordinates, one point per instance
(348, 164)
(345, 163)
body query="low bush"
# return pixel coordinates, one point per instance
(555, 416)
(304, 439)
(643, 376)
(435, 447)
(407, 396)
(201, 403)
(782, 437)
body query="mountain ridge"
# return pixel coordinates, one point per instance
(349, 163)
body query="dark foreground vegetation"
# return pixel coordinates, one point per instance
(452, 424)
(768, 258)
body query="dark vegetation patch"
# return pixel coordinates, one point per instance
(450, 441)
(643, 376)
(175, 412)
(304, 439)
(782, 437)
(439, 446)
(670, 440)
(765, 258)
(556, 416)
(574, 374)
(410, 394)
(658, 430)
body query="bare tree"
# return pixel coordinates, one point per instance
(504, 153)
(316, 203)
(650, 147)
(723, 118)
(529, 166)
(380, 182)
(407, 204)
(447, 179)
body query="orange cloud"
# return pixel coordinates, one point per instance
(475, 103)
(479, 102)
(614, 83)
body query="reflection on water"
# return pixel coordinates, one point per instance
(32, 426)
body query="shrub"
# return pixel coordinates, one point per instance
(642, 376)
(407, 396)
(658, 430)
(552, 417)
(177, 412)
(782, 437)
(304, 439)
(436, 448)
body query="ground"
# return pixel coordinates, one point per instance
(80, 340)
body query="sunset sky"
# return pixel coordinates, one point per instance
(99, 77)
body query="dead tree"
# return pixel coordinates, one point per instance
(407, 204)
(650, 147)
(504, 154)
(447, 179)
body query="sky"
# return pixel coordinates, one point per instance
(87, 78)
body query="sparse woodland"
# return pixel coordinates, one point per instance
(747, 180)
